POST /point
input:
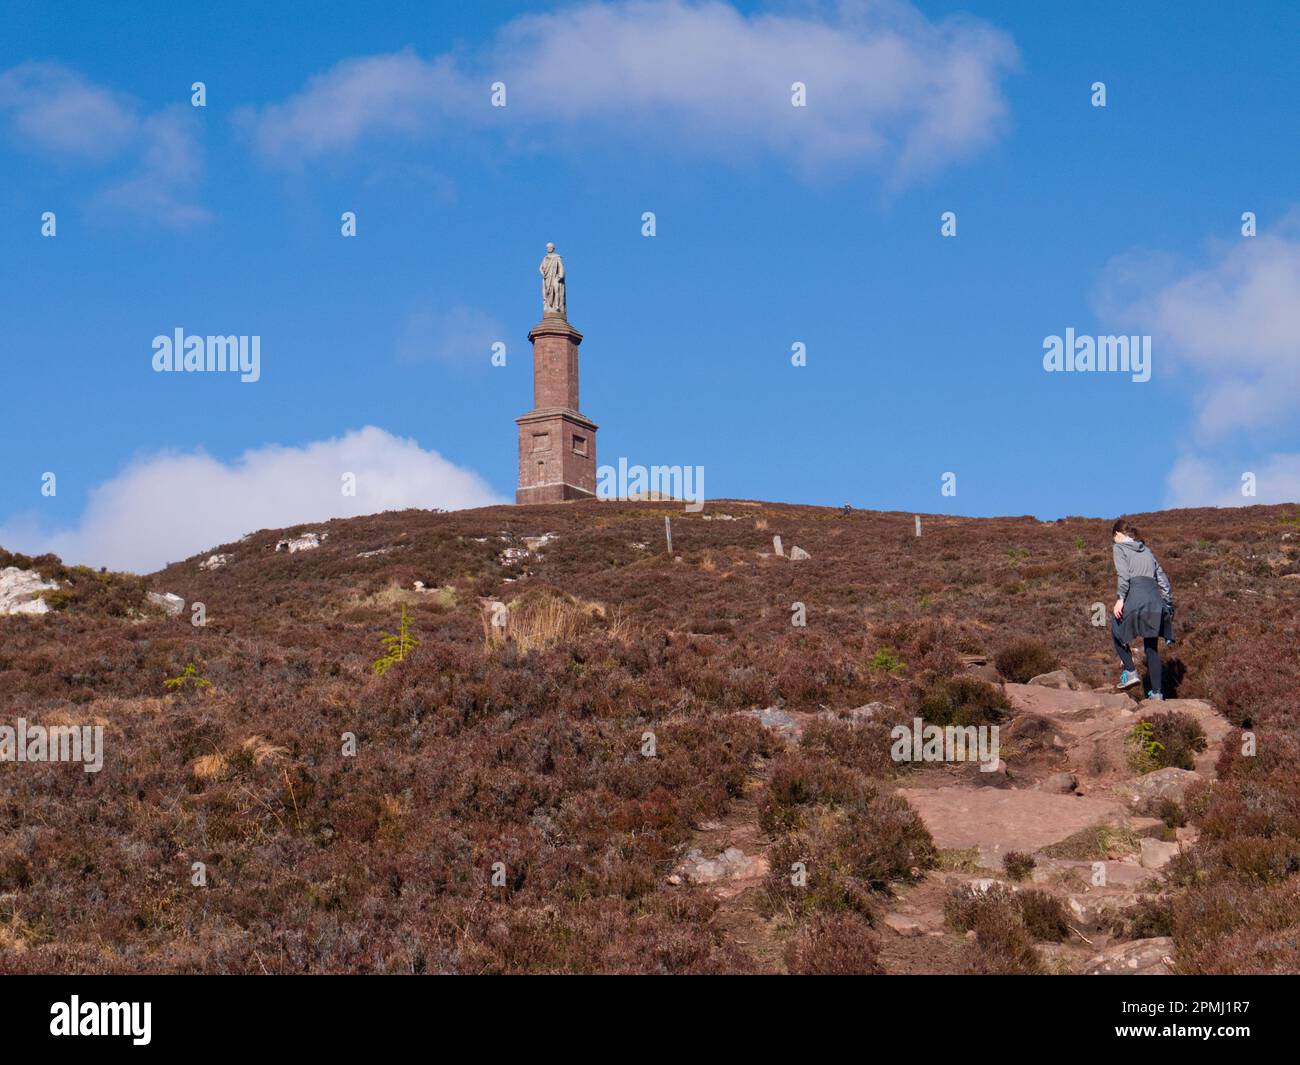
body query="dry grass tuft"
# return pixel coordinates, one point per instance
(544, 617)
(260, 750)
(210, 767)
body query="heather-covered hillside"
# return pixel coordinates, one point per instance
(519, 788)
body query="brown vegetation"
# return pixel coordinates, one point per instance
(499, 814)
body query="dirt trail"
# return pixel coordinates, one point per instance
(1064, 794)
(740, 886)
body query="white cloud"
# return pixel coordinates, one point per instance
(55, 111)
(394, 93)
(457, 336)
(1233, 325)
(1197, 482)
(884, 83)
(170, 506)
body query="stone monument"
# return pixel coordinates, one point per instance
(557, 444)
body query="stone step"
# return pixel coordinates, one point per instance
(964, 818)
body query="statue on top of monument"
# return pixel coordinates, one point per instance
(552, 271)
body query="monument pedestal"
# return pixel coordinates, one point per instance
(557, 444)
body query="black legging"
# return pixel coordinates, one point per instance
(1152, 646)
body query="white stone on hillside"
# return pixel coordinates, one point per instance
(214, 562)
(20, 591)
(731, 863)
(169, 601)
(1138, 957)
(306, 542)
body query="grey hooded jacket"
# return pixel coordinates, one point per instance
(1134, 559)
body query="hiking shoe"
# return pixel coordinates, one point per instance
(1156, 695)
(1127, 679)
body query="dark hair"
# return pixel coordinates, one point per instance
(1123, 525)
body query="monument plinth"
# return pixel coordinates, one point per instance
(557, 444)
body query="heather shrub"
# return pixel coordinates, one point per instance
(1254, 860)
(1018, 865)
(799, 780)
(1146, 919)
(1043, 915)
(962, 701)
(849, 860)
(1171, 813)
(1024, 659)
(1003, 946)
(860, 745)
(1228, 928)
(833, 944)
(850, 839)
(963, 902)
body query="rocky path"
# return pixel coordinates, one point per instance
(730, 858)
(1063, 793)
(1067, 797)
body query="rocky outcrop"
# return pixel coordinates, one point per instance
(1162, 784)
(306, 542)
(1061, 679)
(172, 603)
(20, 591)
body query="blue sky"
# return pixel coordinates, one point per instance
(774, 225)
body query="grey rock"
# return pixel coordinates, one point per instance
(1162, 784)
(1156, 854)
(732, 862)
(778, 721)
(1139, 957)
(904, 926)
(866, 712)
(1096, 910)
(1060, 784)
(168, 601)
(1061, 679)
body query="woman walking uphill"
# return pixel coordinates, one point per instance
(1144, 606)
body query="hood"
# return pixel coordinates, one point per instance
(1136, 547)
